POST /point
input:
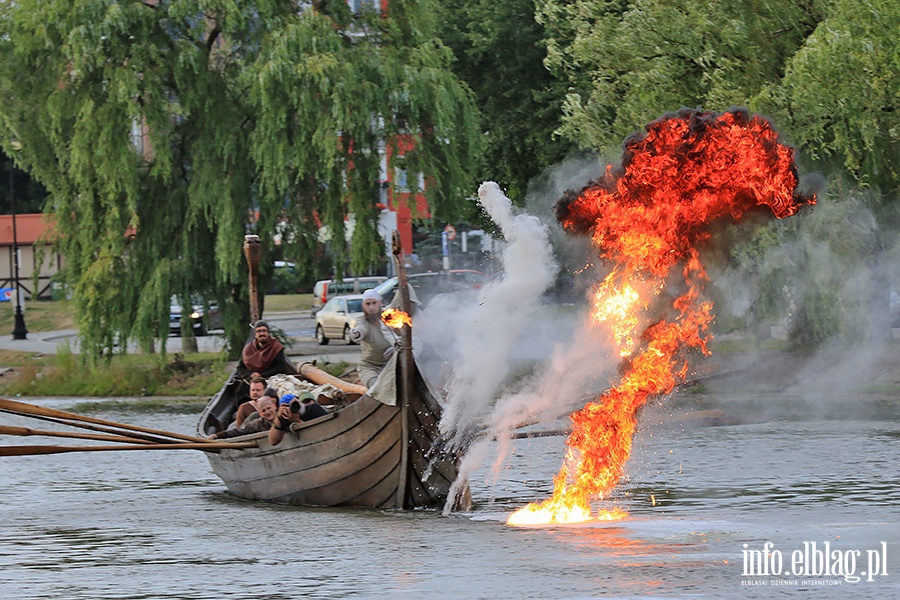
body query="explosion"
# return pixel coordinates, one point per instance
(395, 318)
(647, 218)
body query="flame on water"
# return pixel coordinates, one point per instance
(395, 318)
(648, 217)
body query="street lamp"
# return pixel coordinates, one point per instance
(19, 332)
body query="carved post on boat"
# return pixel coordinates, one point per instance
(405, 368)
(252, 252)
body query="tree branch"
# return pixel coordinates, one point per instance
(211, 39)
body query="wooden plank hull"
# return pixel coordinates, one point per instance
(355, 456)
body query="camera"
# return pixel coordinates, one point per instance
(292, 402)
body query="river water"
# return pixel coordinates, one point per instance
(161, 525)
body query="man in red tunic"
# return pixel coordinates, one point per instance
(264, 355)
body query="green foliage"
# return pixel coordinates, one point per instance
(391, 89)
(829, 75)
(161, 130)
(629, 63)
(288, 281)
(500, 49)
(819, 273)
(337, 368)
(66, 375)
(840, 97)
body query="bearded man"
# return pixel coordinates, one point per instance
(263, 355)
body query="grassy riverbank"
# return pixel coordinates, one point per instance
(65, 374)
(40, 315)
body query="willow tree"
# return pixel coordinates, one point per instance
(165, 130)
(840, 101)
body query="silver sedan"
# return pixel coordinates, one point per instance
(337, 317)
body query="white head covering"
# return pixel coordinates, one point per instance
(372, 295)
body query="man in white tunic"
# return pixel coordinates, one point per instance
(368, 332)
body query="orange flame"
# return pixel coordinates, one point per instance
(395, 318)
(688, 170)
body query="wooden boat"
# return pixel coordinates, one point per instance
(365, 453)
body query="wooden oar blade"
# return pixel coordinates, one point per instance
(23, 431)
(144, 437)
(206, 447)
(32, 409)
(10, 430)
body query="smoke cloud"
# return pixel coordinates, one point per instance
(488, 332)
(511, 357)
(832, 272)
(515, 357)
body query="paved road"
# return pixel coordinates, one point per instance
(299, 327)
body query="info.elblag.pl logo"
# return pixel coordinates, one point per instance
(812, 564)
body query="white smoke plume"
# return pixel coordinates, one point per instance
(509, 322)
(486, 334)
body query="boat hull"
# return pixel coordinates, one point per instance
(365, 454)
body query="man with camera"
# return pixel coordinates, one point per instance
(294, 409)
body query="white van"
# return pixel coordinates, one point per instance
(326, 289)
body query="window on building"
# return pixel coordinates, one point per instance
(358, 6)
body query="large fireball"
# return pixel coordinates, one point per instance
(647, 218)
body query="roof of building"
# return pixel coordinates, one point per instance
(29, 229)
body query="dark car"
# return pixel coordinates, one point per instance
(201, 322)
(431, 284)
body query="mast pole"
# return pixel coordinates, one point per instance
(405, 366)
(252, 252)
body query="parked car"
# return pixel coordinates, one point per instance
(326, 289)
(201, 322)
(429, 285)
(337, 318)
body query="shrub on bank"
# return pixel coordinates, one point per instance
(130, 375)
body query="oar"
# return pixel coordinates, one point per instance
(212, 446)
(317, 375)
(9, 430)
(522, 435)
(143, 436)
(31, 409)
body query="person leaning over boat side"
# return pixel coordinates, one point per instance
(294, 409)
(369, 334)
(309, 408)
(245, 409)
(272, 394)
(263, 355)
(267, 413)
